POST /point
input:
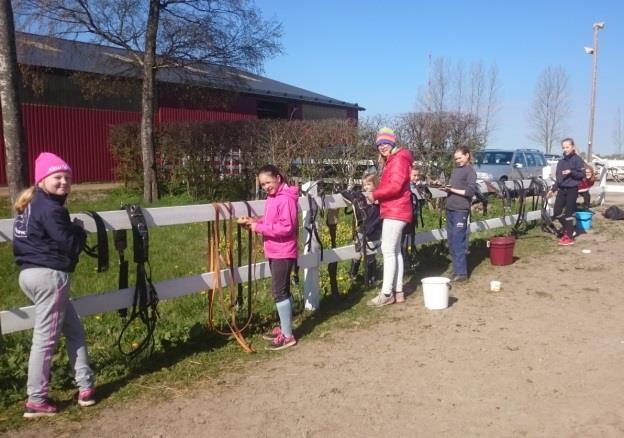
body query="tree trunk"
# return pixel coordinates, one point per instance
(14, 145)
(148, 105)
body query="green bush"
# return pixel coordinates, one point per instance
(193, 158)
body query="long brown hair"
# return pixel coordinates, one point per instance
(593, 174)
(274, 171)
(381, 160)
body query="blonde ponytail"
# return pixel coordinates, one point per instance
(23, 199)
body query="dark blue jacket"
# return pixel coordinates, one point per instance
(372, 227)
(577, 171)
(45, 237)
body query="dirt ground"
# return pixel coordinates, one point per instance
(542, 357)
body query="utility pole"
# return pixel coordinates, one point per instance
(592, 106)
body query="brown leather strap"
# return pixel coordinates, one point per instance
(227, 300)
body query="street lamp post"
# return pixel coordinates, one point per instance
(592, 106)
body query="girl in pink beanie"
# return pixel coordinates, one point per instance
(46, 245)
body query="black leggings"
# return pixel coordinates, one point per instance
(280, 278)
(565, 206)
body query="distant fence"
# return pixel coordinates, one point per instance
(18, 319)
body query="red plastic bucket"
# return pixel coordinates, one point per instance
(501, 250)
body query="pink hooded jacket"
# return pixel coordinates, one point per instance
(278, 226)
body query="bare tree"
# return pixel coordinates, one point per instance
(431, 136)
(492, 104)
(191, 35)
(550, 107)
(476, 94)
(618, 131)
(14, 145)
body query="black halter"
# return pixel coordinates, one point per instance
(312, 228)
(145, 301)
(99, 250)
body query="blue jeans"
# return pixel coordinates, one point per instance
(457, 235)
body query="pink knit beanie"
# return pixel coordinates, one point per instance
(47, 163)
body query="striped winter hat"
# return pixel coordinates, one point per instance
(385, 136)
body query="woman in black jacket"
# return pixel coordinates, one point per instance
(570, 171)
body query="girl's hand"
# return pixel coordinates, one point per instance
(244, 221)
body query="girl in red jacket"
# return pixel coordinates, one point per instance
(393, 195)
(586, 184)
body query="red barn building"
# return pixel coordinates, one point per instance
(73, 92)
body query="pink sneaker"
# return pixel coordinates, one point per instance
(282, 342)
(43, 409)
(566, 241)
(85, 398)
(272, 334)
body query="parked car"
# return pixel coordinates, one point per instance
(552, 158)
(503, 165)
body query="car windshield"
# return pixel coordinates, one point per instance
(490, 157)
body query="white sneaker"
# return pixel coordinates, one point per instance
(381, 300)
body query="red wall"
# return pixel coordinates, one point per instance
(195, 115)
(80, 135)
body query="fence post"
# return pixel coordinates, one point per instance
(332, 268)
(311, 276)
(603, 185)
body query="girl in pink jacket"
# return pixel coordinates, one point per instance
(279, 229)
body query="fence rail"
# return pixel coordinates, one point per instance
(19, 319)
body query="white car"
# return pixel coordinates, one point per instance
(503, 165)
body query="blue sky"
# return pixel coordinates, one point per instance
(376, 54)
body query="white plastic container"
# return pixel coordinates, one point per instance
(436, 292)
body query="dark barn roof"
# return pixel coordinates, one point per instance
(62, 54)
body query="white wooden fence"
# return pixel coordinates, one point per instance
(14, 320)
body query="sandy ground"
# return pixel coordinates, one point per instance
(543, 357)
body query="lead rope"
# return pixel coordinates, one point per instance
(215, 259)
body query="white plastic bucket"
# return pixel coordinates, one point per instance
(436, 292)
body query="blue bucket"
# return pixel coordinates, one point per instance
(584, 220)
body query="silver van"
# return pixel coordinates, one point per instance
(503, 165)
